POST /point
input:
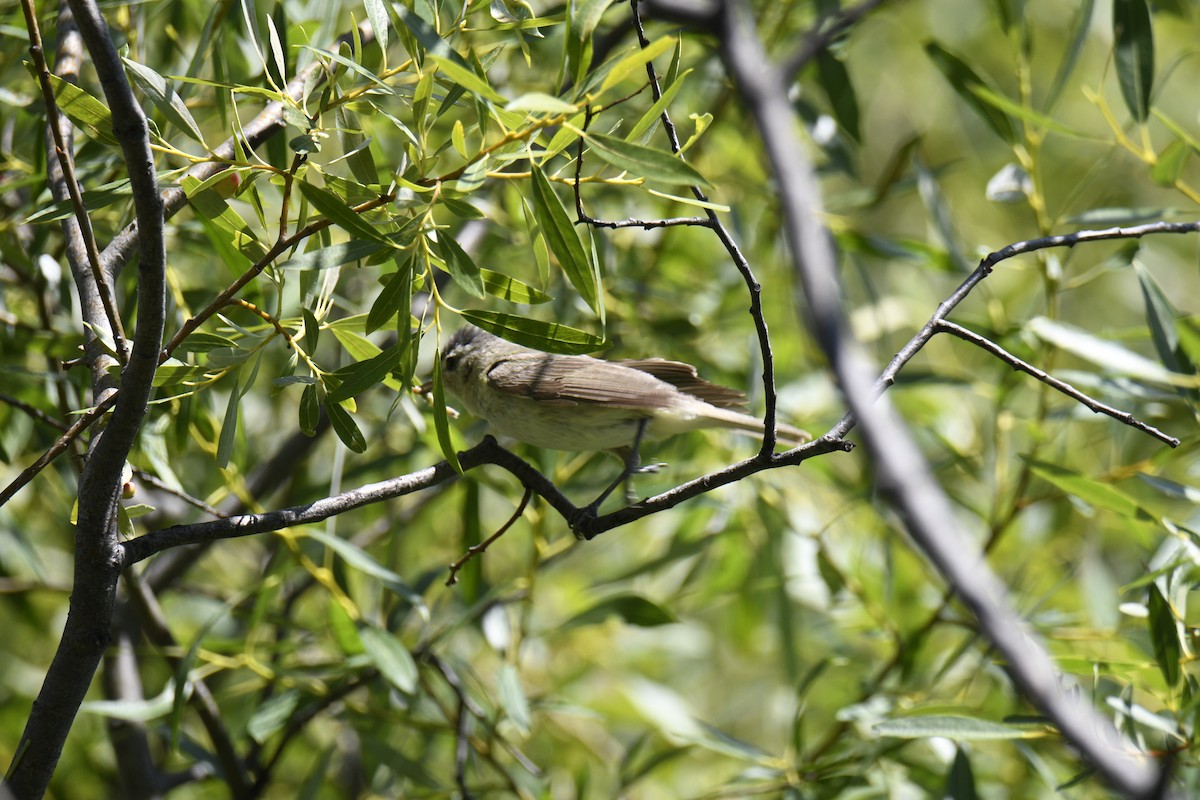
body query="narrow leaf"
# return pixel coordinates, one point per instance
(441, 421)
(635, 61)
(1133, 46)
(392, 658)
(345, 427)
(954, 727)
(229, 425)
(549, 337)
(357, 378)
(511, 289)
(644, 161)
(1164, 635)
(460, 266)
(1089, 490)
(563, 239)
(388, 303)
(965, 81)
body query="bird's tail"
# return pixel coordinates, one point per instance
(786, 434)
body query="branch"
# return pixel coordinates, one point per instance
(1054, 383)
(901, 471)
(97, 557)
(486, 452)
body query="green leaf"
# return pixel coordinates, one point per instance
(654, 113)
(174, 372)
(1133, 51)
(93, 200)
(512, 698)
(164, 99)
(335, 209)
(634, 61)
(460, 266)
(89, 114)
(237, 232)
(960, 780)
(1170, 162)
(1091, 491)
(965, 81)
(380, 21)
(392, 658)
(1016, 111)
(271, 716)
(1164, 635)
(1081, 24)
(229, 425)
(345, 427)
(954, 727)
(632, 609)
(359, 377)
(332, 256)
(464, 77)
(359, 559)
(441, 421)
(511, 289)
(839, 90)
(358, 346)
(563, 239)
(644, 161)
(549, 337)
(1111, 356)
(1162, 318)
(310, 410)
(395, 291)
(540, 103)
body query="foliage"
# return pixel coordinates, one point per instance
(777, 637)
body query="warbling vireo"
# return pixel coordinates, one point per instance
(584, 403)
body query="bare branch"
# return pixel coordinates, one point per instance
(97, 557)
(33, 411)
(1066, 388)
(475, 550)
(62, 443)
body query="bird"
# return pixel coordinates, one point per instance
(581, 403)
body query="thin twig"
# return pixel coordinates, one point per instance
(32, 411)
(476, 549)
(163, 486)
(63, 442)
(1067, 389)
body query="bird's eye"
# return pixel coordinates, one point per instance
(452, 362)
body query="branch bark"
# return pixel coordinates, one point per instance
(98, 557)
(900, 469)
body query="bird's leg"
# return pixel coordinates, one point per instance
(633, 466)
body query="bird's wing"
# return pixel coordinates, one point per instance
(685, 378)
(572, 380)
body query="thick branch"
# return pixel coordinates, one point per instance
(900, 469)
(97, 556)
